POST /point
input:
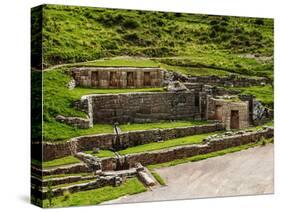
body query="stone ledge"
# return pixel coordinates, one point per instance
(78, 122)
(129, 139)
(179, 152)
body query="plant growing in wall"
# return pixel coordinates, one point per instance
(50, 193)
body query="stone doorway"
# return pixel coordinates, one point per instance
(113, 79)
(218, 113)
(130, 79)
(146, 81)
(95, 79)
(234, 119)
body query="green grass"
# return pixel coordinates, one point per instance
(96, 196)
(55, 131)
(101, 153)
(69, 184)
(193, 71)
(108, 32)
(124, 62)
(58, 100)
(60, 162)
(208, 155)
(263, 94)
(158, 178)
(36, 162)
(83, 91)
(259, 127)
(160, 125)
(67, 175)
(194, 139)
(186, 43)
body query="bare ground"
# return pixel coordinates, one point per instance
(248, 172)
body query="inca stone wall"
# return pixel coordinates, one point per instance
(128, 139)
(166, 155)
(118, 77)
(223, 110)
(144, 107)
(154, 157)
(101, 181)
(231, 80)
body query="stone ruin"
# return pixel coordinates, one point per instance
(118, 77)
(189, 100)
(183, 99)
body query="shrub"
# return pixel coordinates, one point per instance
(214, 22)
(110, 44)
(66, 195)
(238, 30)
(133, 37)
(110, 19)
(130, 24)
(178, 15)
(259, 21)
(224, 23)
(158, 52)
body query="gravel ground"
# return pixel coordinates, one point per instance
(248, 172)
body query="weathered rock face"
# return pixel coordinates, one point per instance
(118, 77)
(71, 84)
(74, 121)
(143, 107)
(146, 178)
(177, 86)
(261, 114)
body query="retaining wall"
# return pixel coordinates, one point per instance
(143, 107)
(101, 182)
(231, 80)
(133, 138)
(166, 155)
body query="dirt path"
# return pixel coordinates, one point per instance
(242, 173)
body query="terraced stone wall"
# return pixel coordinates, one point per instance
(216, 144)
(133, 138)
(144, 107)
(118, 77)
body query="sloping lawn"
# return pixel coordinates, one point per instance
(101, 153)
(96, 196)
(60, 162)
(160, 125)
(195, 139)
(55, 131)
(264, 94)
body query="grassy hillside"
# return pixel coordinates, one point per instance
(186, 43)
(235, 44)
